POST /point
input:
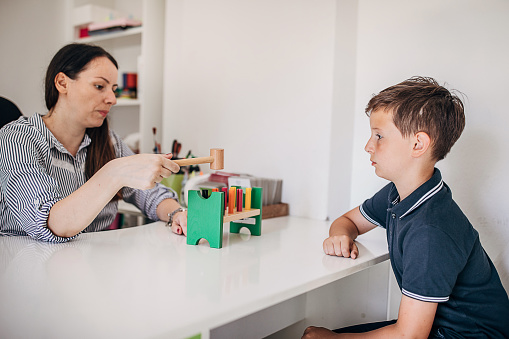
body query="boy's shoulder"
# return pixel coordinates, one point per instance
(442, 219)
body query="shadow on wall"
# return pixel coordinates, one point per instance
(476, 176)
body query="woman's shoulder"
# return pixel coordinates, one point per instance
(19, 126)
(24, 124)
(21, 121)
(24, 131)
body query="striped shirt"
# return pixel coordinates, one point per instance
(36, 171)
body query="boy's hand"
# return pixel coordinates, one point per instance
(319, 333)
(343, 231)
(341, 246)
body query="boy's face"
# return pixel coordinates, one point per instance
(390, 153)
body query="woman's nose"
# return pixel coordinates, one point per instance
(111, 98)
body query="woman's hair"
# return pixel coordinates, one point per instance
(71, 60)
(420, 104)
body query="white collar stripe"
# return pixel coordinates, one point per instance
(425, 197)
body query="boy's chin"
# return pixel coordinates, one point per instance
(380, 174)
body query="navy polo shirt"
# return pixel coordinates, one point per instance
(437, 257)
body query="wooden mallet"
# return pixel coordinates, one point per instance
(216, 160)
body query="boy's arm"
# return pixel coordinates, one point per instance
(343, 231)
(415, 320)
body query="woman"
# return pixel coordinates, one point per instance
(63, 173)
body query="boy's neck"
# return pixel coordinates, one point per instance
(413, 181)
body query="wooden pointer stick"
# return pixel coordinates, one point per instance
(216, 160)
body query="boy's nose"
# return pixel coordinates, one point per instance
(368, 148)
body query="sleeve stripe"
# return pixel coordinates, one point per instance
(423, 298)
(371, 220)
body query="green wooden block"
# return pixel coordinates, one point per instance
(205, 218)
(256, 202)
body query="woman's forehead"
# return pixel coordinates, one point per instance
(100, 67)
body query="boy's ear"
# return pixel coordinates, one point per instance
(422, 142)
(61, 82)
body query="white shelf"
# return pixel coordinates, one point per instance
(141, 50)
(122, 102)
(114, 35)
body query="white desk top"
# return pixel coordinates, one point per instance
(147, 282)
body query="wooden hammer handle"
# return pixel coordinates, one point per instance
(194, 161)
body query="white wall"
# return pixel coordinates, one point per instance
(343, 108)
(31, 31)
(255, 78)
(463, 43)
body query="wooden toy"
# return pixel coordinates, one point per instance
(216, 160)
(205, 217)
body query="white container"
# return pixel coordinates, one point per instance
(87, 14)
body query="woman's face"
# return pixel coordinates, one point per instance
(92, 94)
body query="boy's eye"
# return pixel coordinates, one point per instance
(378, 136)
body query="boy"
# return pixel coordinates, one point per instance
(449, 284)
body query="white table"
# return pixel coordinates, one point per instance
(146, 282)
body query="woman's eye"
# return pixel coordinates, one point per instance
(99, 87)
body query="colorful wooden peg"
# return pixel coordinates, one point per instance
(239, 199)
(225, 191)
(231, 201)
(247, 204)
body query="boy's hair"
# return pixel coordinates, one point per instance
(420, 104)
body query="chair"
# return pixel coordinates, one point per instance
(8, 111)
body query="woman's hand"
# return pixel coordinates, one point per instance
(142, 171)
(179, 224)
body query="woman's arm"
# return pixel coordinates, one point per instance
(72, 214)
